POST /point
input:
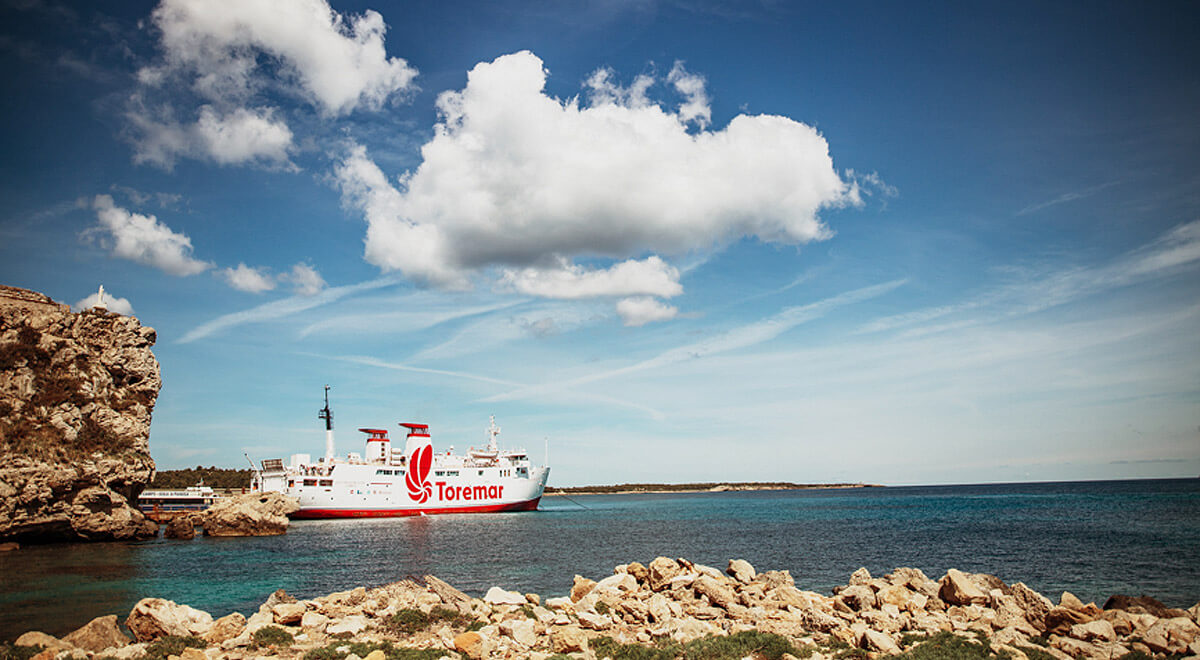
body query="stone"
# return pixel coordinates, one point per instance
(659, 608)
(1143, 605)
(288, 613)
(1094, 630)
(878, 641)
(1070, 601)
(593, 621)
(741, 570)
(533, 599)
(898, 595)
(859, 597)
(180, 527)
(1035, 605)
(638, 571)
(718, 593)
(314, 621)
(98, 634)
(661, 571)
(192, 654)
(860, 577)
(776, 579)
(225, 628)
(250, 514)
(96, 382)
(352, 624)
(447, 593)
(38, 638)
(134, 651)
(1059, 620)
(152, 618)
(469, 643)
(581, 587)
(498, 596)
(619, 582)
(376, 655)
(568, 639)
(958, 589)
(522, 631)
(9, 546)
(558, 603)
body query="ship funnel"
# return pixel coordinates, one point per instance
(327, 415)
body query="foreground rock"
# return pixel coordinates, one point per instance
(76, 393)
(668, 601)
(250, 514)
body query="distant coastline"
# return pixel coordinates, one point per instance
(711, 487)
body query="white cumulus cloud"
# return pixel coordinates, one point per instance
(337, 62)
(640, 311)
(239, 137)
(248, 279)
(142, 238)
(111, 302)
(305, 279)
(651, 276)
(526, 183)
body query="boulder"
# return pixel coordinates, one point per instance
(568, 639)
(859, 597)
(877, 641)
(718, 593)
(1059, 620)
(288, 614)
(98, 634)
(861, 577)
(1091, 631)
(1035, 605)
(9, 546)
(776, 579)
(1142, 605)
(152, 618)
(638, 571)
(251, 514)
(180, 527)
(352, 624)
(522, 631)
(741, 570)
(593, 620)
(662, 570)
(581, 587)
(314, 621)
(498, 596)
(470, 644)
(38, 638)
(226, 627)
(1070, 601)
(958, 589)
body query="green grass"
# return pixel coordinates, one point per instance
(361, 649)
(10, 651)
(409, 621)
(607, 647)
(164, 647)
(1034, 653)
(948, 646)
(272, 636)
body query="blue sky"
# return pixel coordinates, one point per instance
(880, 242)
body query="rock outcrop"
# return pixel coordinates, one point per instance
(633, 607)
(251, 514)
(76, 393)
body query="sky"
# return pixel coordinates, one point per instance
(895, 243)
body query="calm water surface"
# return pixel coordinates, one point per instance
(1092, 538)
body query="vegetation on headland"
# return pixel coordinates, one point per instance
(696, 487)
(210, 476)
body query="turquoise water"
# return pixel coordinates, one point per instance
(1091, 538)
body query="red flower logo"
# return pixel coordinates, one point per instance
(417, 478)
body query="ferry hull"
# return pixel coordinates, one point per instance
(326, 514)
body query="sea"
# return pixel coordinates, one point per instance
(1093, 539)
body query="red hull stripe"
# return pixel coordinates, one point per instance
(313, 514)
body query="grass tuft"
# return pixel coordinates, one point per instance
(272, 636)
(10, 651)
(165, 647)
(948, 646)
(362, 649)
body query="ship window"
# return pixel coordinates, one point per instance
(310, 482)
(327, 482)
(452, 473)
(481, 473)
(439, 473)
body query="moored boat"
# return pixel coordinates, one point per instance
(389, 481)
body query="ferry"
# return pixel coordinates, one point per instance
(411, 480)
(162, 505)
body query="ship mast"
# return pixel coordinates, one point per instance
(327, 415)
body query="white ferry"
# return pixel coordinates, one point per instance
(408, 481)
(164, 504)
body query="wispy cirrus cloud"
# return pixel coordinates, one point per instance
(1066, 197)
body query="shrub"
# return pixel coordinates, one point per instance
(10, 651)
(601, 607)
(948, 646)
(1035, 653)
(408, 621)
(165, 647)
(361, 649)
(750, 642)
(272, 636)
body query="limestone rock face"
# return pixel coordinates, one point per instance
(152, 618)
(251, 514)
(76, 393)
(98, 634)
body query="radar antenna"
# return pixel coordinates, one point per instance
(325, 413)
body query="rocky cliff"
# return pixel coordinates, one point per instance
(76, 393)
